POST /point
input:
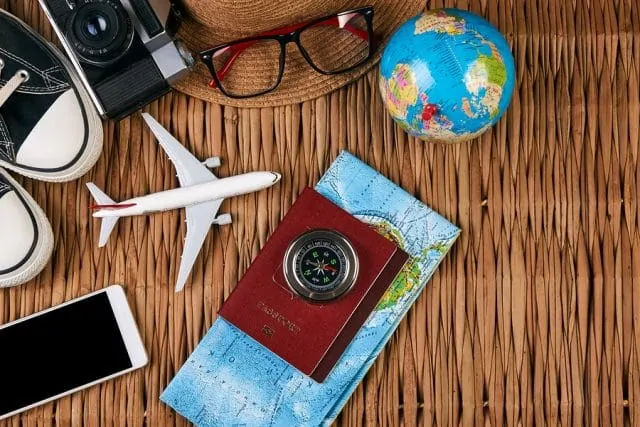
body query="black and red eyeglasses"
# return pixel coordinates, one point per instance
(253, 66)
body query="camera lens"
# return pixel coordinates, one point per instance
(95, 27)
(100, 31)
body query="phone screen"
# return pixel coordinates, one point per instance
(59, 351)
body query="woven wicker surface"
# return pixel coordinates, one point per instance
(533, 316)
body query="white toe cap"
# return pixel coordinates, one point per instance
(16, 231)
(57, 139)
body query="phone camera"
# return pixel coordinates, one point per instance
(101, 31)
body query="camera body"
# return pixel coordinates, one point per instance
(124, 50)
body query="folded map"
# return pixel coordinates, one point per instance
(231, 379)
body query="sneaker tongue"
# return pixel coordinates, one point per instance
(22, 50)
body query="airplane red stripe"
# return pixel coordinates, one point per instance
(114, 207)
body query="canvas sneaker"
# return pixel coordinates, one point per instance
(26, 239)
(49, 129)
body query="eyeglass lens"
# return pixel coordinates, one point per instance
(259, 59)
(338, 43)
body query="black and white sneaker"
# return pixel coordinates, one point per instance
(49, 129)
(26, 239)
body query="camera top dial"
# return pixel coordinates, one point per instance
(100, 31)
(321, 265)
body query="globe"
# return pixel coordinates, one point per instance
(446, 75)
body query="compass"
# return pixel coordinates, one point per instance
(320, 265)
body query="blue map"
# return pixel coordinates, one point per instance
(231, 379)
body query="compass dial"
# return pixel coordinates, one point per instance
(321, 265)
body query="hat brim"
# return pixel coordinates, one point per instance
(299, 82)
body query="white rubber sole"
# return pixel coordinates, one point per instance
(95, 138)
(43, 250)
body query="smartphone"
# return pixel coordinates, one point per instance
(67, 348)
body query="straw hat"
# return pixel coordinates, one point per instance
(208, 23)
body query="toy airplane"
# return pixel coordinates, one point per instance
(200, 192)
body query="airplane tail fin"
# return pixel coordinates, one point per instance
(108, 223)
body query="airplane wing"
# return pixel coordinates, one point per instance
(199, 220)
(190, 170)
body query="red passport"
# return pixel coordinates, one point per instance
(316, 281)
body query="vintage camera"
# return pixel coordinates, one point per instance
(123, 50)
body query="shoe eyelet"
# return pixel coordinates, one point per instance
(24, 74)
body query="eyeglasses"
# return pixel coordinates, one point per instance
(254, 66)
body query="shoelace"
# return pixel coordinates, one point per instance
(13, 84)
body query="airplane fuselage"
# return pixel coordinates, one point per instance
(192, 195)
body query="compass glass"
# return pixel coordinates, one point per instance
(321, 264)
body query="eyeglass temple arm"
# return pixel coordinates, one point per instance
(237, 49)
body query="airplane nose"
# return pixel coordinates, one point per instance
(276, 177)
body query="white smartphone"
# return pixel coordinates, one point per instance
(67, 348)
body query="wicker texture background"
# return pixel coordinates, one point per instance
(533, 317)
